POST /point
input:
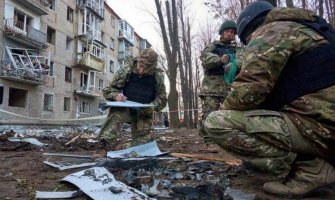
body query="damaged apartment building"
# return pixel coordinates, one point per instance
(58, 55)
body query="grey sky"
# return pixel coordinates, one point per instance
(139, 14)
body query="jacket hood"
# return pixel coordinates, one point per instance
(133, 64)
(289, 14)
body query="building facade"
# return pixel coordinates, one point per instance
(58, 55)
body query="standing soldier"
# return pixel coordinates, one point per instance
(280, 114)
(141, 81)
(215, 58)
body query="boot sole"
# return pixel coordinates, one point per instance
(305, 194)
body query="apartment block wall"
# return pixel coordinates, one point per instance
(2, 11)
(64, 56)
(57, 86)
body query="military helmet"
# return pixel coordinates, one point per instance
(227, 24)
(148, 57)
(251, 18)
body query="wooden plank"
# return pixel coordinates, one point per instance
(233, 162)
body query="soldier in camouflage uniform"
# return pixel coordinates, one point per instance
(140, 81)
(280, 114)
(214, 60)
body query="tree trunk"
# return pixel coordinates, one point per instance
(190, 73)
(272, 2)
(171, 55)
(182, 67)
(321, 8)
(196, 96)
(289, 3)
(303, 4)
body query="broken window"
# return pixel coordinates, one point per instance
(68, 43)
(51, 69)
(68, 74)
(48, 102)
(84, 107)
(83, 81)
(69, 15)
(51, 35)
(51, 4)
(1, 94)
(92, 77)
(101, 84)
(19, 20)
(67, 103)
(112, 44)
(17, 97)
(112, 21)
(111, 66)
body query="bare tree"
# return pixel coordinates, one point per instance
(170, 41)
(330, 8)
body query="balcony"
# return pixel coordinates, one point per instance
(125, 55)
(90, 61)
(88, 32)
(38, 6)
(93, 58)
(126, 32)
(22, 33)
(144, 44)
(88, 91)
(20, 73)
(94, 6)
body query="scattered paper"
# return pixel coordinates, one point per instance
(127, 104)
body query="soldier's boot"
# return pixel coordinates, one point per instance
(140, 138)
(104, 146)
(279, 166)
(307, 177)
(205, 136)
(101, 150)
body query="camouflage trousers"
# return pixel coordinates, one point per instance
(209, 104)
(140, 120)
(267, 140)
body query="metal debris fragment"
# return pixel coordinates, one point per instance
(93, 183)
(33, 141)
(149, 149)
(55, 195)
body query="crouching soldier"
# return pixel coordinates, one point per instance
(280, 113)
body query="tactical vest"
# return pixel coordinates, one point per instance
(306, 73)
(220, 50)
(140, 89)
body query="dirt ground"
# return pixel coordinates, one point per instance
(22, 171)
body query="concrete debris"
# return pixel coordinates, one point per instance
(239, 195)
(88, 131)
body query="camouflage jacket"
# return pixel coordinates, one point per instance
(266, 55)
(213, 85)
(121, 77)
